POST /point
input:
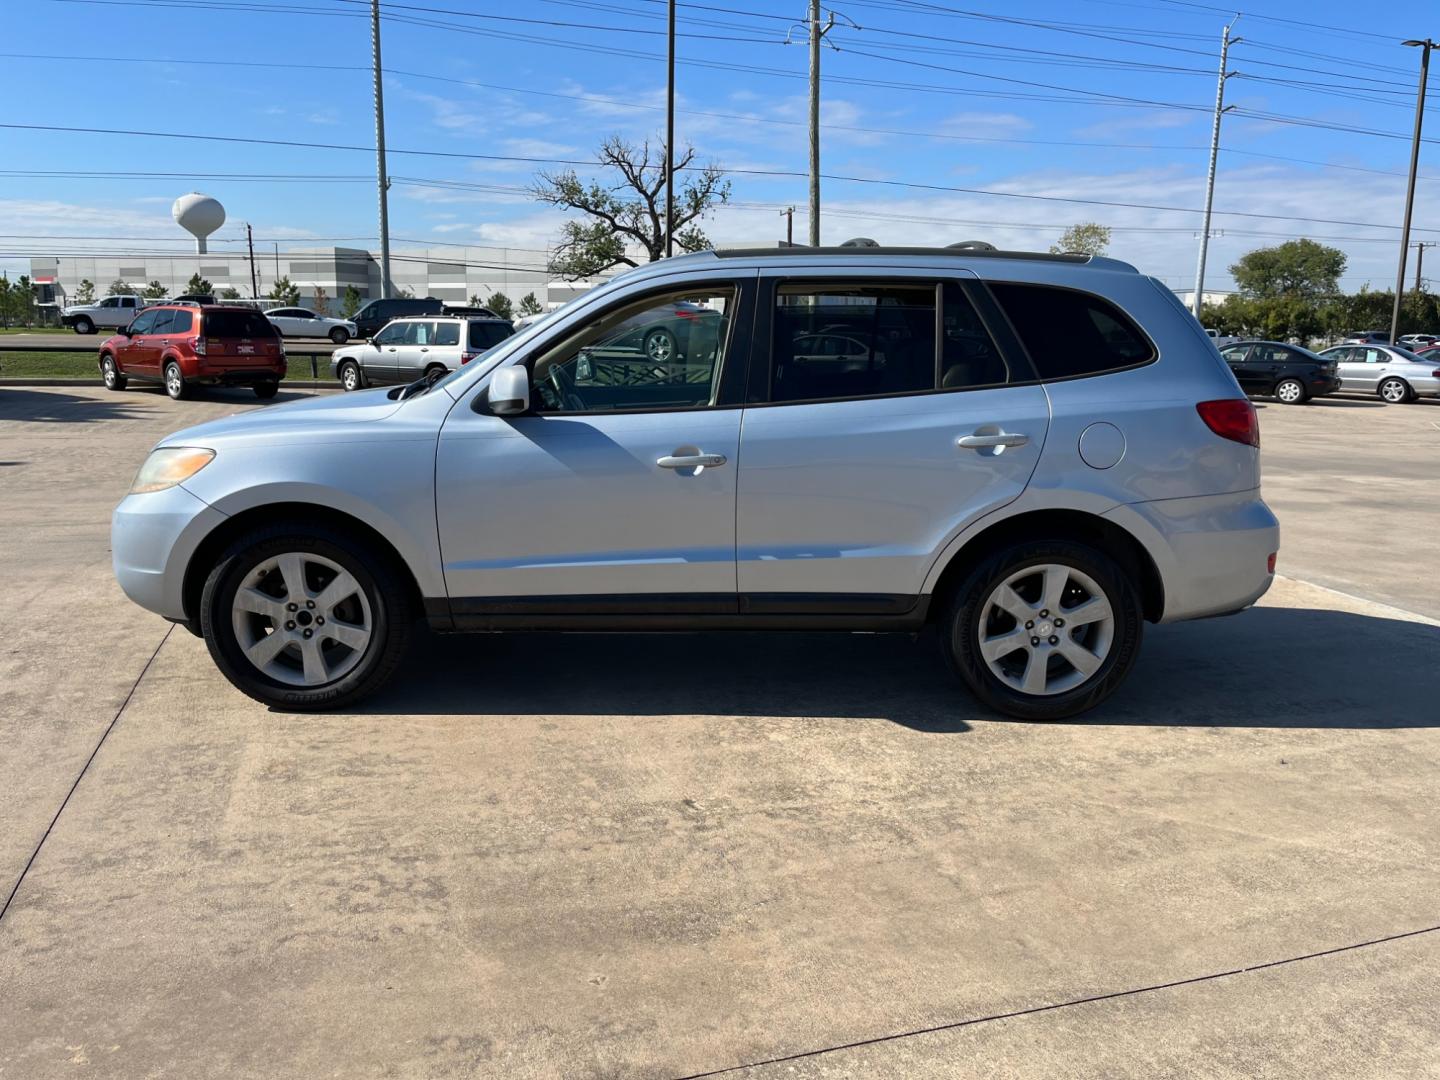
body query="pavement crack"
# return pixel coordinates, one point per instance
(83, 770)
(1054, 1006)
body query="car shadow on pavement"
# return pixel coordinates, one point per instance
(57, 407)
(1269, 667)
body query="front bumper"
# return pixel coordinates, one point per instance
(152, 538)
(1212, 551)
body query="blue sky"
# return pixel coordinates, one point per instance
(1104, 100)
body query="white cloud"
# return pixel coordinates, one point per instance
(984, 123)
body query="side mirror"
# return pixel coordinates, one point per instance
(123, 331)
(510, 391)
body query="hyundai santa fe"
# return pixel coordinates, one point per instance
(1034, 454)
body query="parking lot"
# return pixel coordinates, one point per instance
(582, 855)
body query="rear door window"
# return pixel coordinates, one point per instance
(447, 333)
(237, 323)
(163, 321)
(1070, 333)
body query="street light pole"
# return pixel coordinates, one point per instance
(1425, 46)
(1225, 42)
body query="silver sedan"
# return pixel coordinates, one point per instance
(1396, 375)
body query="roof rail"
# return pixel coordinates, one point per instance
(968, 248)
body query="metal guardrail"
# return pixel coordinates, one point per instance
(94, 350)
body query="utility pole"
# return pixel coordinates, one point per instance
(789, 215)
(381, 178)
(1420, 247)
(1225, 42)
(1425, 46)
(250, 243)
(670, 139)
(816, 33)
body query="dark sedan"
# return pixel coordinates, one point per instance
(1288, 373)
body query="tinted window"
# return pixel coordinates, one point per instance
(447, 333)
(393, 334)
(1070, 333)
(110, 301)
(844, 341)
(236, 323)
(1274, 354)
(485, 335)
(967, 355)
(143, 323)
(659, 353)
(182, 323)
(163, 321)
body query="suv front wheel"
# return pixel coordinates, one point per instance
(1044, 630)
(302, 619)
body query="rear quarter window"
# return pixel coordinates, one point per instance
(237, 323)
(485, 335)
(1070, 333)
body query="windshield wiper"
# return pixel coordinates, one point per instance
(421, 385)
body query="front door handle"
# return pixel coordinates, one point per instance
(981, 442)
(691, 461)
(424, 348)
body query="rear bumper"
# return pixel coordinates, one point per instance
(227, 375)
(152, 538)
(1212, 551)
(1321, 385)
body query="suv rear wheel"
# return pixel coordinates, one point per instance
(175, 381)
(1044, 630)
(305, 619)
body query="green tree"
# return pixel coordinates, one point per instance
(5, 299)
(1085, 238)
(20, 302)
(284, 294)
(321, 303)
(153, 291)
(119, 288)
(627, 209)
(197, 285)
(1296, 268)
(85, 292)
(501, 305)
(350, 302)
(228, 293)
(529, 305)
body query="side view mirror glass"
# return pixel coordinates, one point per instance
(510, 391)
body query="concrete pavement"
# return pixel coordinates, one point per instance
(584, 855)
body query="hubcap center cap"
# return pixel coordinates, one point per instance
(1044, 629)
(303, 618)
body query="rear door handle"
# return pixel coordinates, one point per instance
(691, 461)
(981, 442)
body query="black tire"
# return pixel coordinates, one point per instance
(662, 341)
(960, 629)
(1296, 393)
(351, 377)
(110, 373)
(1400, 392)
(433, 368)
(266, 390)
(392, 613)
(175, 384)
(339, 335)
(84, 326)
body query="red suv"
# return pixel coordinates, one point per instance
(181, 345)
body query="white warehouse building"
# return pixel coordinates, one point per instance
(452, 274)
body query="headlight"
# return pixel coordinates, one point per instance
(170, 465)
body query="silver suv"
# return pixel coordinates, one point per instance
(416, 346)
(1036, 454)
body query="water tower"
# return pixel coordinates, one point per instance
(199, 215)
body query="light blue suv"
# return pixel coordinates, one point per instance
(1034, 453)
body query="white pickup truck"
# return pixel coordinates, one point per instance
(111, 313)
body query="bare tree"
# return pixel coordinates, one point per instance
(629, 211)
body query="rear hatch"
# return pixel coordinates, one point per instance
(239, 337)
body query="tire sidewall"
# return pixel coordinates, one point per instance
(178, 391)
(339, 335)
(1404, 396)
(84, 326)
(110, 373)
(962, 629)
(219, 633)
(1298, 399)
(346, 369)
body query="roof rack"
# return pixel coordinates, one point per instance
(968, 248)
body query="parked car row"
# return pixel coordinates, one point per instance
(1293, 375)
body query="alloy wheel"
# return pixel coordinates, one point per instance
(174, 383)
(660, 347)
(1289, 391)
(350, 377)
(1394, 391)
(302, 619)
(107, 369)
(1046, 629)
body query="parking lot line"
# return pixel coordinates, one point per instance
(83, 770)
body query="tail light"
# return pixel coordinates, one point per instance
(1231, 418)
(199, 346)
(1435, 374)
(466, 357)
